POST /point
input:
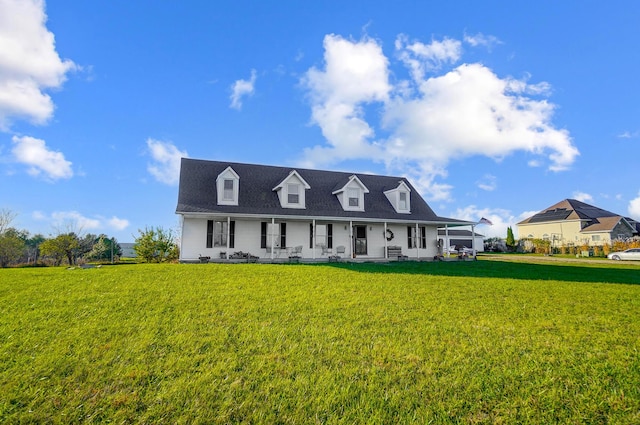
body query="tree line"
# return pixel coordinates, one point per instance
(70, 247)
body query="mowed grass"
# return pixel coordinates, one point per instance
(467, 342)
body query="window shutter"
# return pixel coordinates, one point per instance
(263, 234)
(209, 233)
(409, 238)
(311, 235)
(232, 231)
(329, 235)
(283, 235)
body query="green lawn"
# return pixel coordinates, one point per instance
(459, 342)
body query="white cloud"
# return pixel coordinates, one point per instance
(118, 223)
(582, 196)
(422, 58)
(166, 157)
(40, 159)
(29, 63)
(479, 39)
(356, 73)
(500, 218)
(73, 221)
(488, 182)
(242, 88)
(629, 135)
(634, 208)
(429, 121)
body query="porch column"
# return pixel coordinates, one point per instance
(351, 238)
(386, 256)
(473, 240)
(313, 240)
(418, 241)
(446, 238)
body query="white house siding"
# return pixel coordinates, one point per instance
(248, 232)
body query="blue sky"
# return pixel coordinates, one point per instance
(493, 109)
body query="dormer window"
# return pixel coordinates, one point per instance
(400, 198)
(351, 195)
(293, 195)
(402, 201)
(354, 197)
(291, 191)
(228, 189)
(228, 185)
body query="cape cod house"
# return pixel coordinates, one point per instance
(575, 223)
(229, 209)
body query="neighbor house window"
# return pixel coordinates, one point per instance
(595, 238)
(293, 193)
(354, 197)
(217, 232)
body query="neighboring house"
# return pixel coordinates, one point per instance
(278, 212)
(574, 223)
(127, 250)
(461, 238)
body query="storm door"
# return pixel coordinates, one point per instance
(360, 240)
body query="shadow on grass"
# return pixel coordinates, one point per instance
(506, 270)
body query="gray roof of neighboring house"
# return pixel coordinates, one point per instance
(597, 219)
(198, 194)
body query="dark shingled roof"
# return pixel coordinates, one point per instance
(197, 193)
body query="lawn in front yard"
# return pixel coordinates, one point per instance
(463, 342)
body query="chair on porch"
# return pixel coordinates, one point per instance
(276, 251)
(323, 249)
(296, 253)
(340, 250)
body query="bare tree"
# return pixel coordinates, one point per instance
(6, 218)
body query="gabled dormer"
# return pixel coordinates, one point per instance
(400, 198)
(351, 195)
(291, 191)
(228, 186)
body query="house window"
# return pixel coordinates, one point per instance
(416, 240)
(323, 236)
(273, 233)
(595, 238)
(402, 203)
(217, 232)
(293, 193)
(354, 197)
(228, 190)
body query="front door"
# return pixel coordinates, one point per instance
(360, 240)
